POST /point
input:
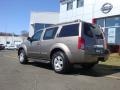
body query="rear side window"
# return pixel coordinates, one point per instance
(91, 30)
(69, 30)
(50, 33)
(87, 30)
(98, 32)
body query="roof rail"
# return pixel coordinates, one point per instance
(78, 20)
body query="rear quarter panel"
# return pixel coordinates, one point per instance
(74, 54)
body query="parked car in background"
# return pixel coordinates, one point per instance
(2, 47)
(11, 47)
(66, 44)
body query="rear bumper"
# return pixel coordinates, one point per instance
(103, 57)
(85, 57)
(98, 56)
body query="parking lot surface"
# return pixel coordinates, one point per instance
(39, 76)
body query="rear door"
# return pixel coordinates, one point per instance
(48, 41)
(93, 37)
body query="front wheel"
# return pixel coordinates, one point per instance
(60, 62)
(22, 57)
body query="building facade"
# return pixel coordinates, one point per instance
(40, 20)
(12, 40)
(105, 13)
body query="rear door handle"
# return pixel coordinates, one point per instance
(38, 44)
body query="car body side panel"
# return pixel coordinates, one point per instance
(63, 47)
(70, 45)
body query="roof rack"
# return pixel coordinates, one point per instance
(78, 20)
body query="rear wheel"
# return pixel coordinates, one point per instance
(60, 62)
(22, 57)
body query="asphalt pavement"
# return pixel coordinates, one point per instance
(39, 76)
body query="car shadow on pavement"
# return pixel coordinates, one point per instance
(99, 70)
(41, 65)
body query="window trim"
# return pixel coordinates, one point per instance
(54, 31)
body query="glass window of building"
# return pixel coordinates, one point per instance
(113, 21)
(70, 5)
(80, 3)
(40, 26)
(48, 25)
(100, 22)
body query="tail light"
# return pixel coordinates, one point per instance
(93, 21)
(81, 43)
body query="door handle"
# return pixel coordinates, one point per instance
(38, 44)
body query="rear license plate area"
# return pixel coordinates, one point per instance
(99, 51)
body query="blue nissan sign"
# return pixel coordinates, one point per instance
(106, 8)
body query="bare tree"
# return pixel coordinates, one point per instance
(24, 33)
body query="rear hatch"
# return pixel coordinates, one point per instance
(94, 39)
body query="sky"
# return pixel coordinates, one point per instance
(15, 14)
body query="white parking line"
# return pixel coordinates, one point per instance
(11, 57)
(114, 77)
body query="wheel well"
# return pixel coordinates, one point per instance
(55, 50)
(19, 51)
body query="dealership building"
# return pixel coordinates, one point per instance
(40, 20)
(105, 13)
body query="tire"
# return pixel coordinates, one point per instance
(60, 62)
(88, 65)
(22, 57)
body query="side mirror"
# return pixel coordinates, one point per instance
(29, 39)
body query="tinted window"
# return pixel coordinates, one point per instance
(113, 21)
(7, 42)
(87, 30)
(90, 29)
(69, 5)
(36, 36)
(69, 30)
(98, 32)
(80, 3)
(50, 33)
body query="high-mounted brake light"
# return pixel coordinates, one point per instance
(81, 43)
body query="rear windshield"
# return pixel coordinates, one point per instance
(91, 30)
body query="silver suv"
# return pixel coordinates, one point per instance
(66, 44)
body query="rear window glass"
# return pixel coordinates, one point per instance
(69, 30)
(91, 30)
(87, 30)
(97, 31)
